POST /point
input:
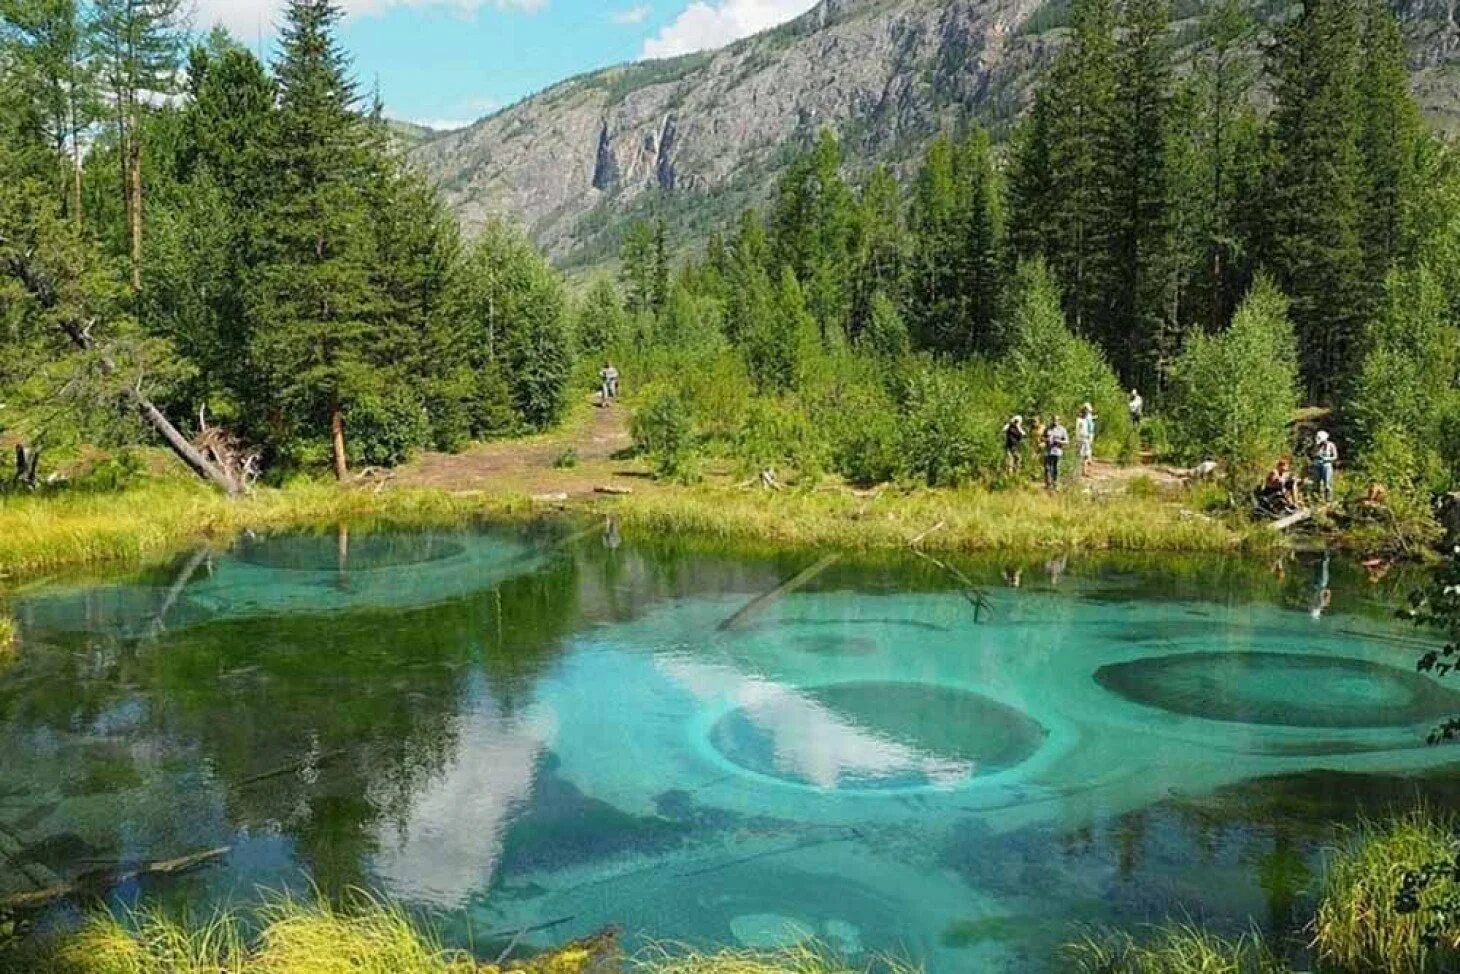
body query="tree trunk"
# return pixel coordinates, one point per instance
(134, 190)
(337, 441)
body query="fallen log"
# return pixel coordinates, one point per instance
(102, 880)
(613, 491)
(1297, 517)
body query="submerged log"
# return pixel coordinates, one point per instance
(102, 880)
(766, 599)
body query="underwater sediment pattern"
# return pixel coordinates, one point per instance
(535, 739)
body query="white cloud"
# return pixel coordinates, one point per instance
(707, 24)
(248, 18)
(632, 15)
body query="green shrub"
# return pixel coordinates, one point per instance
(664, 432)
(383, 430)
(1234, 394)
(566, 460)
(944, 443)
(778, 433)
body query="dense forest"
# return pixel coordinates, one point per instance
(188, 237)
(235, 255)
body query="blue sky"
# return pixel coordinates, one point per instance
(448, 62)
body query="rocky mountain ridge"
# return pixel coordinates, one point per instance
(698, 137)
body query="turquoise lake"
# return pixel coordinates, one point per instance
(531, 737)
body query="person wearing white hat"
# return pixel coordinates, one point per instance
(1325, 455)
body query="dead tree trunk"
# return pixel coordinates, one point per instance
(40, 287)
(134, 191)
(337, 441)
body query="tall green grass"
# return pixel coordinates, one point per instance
(1174, 948)
(366, 936)
(1356, 927)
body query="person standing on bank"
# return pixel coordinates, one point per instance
(1085, 437)
(1137, 407)
(1056, 438)
(1014, 444)
(1325, 455)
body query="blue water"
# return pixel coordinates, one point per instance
(530, 738)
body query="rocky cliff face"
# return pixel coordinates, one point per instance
(701, 136)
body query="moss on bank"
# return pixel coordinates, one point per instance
(43, 533)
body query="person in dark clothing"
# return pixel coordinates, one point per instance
(1014, 444)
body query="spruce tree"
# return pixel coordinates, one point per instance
(315, 304)
(880, 248)
(638, 274)
(1081, 92)
(1316, 190)
(981, 246)
(1391, 137)
(1031, 184)
(1141, 230)
(1223, 138)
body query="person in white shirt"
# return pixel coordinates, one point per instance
(1137, 407)
(1085, 437)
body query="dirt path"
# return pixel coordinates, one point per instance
(576, 459)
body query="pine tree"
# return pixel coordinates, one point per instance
(315, 303)
(1316, 190)
(1140, 307)
(139, 47)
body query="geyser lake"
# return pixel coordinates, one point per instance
(532, 736)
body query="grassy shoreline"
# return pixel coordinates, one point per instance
(40, 534)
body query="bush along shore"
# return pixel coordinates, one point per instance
(1383, 903)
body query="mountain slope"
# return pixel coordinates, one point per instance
(698, 137)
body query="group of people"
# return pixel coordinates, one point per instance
(1053, 439)
(1278, 493)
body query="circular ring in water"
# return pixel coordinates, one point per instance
(1281, 689)
(876, 736)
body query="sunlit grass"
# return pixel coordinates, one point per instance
(38, 533)
(1356, 926)
(1176, 948)
(965, 520)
